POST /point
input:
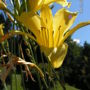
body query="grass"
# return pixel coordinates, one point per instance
(16, 84)
(59, 87)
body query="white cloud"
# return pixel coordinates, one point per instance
(76, 40)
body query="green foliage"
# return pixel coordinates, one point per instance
(77, 64)
(59, 87)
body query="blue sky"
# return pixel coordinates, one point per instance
(83, 8)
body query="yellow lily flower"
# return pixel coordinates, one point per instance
(37, 4)
(49, 32)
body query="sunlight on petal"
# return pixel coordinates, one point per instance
(32, 22)
(62, 21)
(35, 4)
(57, 57)
(61, 2)
(47, 23)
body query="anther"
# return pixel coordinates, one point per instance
(59, 27)
(46, 20)
(42, 28)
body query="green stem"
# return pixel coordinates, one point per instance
(12, 33)
(5, 86)
(44, 72)
(15, 80)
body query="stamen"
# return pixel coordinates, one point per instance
(43, 31)
(42, 28)
(46, 20)
(47, 37)
(59, 27)
(58, 34)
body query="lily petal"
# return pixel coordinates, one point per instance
(63, 20)
(78, 26)
(47, 23)
(62, 2)
(58, 55)
(38, 4)
(47, 51)
(30, 21)
(35, 4)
